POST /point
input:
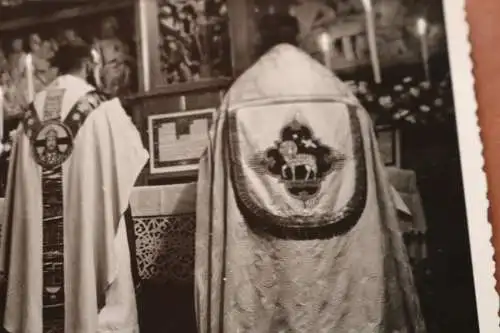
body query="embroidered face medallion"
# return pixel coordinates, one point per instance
(301, 161)
(52, 144)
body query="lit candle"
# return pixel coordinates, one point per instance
(325, 44)
(424, 47)
(29, 78)
(372, 40)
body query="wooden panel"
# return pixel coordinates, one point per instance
(185, 88)
(159, 105)
(153, 33)
(203, 100)
(190, 96)
(242, 32)
(64, 14)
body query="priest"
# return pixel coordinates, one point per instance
(64, 251)
(297, 229)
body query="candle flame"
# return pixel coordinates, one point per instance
(421, 26)
(325, 42)
(367, 4)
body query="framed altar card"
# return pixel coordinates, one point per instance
(177, 141)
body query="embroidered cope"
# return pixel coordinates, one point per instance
(297, 229)
(64, 248)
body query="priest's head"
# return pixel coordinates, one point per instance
(76, 60)
(277, 28)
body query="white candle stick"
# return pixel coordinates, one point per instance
(325, 44)
(372, 40)
(182, 103)
(143, 26)
(29, 78)
(424, 46)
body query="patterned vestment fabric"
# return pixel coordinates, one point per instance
(97, 179)
(297, 230)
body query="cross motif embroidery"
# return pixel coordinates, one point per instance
(52, 144)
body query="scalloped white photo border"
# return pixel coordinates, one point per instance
(472, 162)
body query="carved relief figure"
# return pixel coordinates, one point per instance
(15, 83)
(69, 36)
(11, 106)
(48, 49)
(177, 25)
(390, 20)
(4, 64)
(177, 63)
(116, 74)
(43, 71)
(314, 17)
(194, 41)
(16, 59)
(4, 80)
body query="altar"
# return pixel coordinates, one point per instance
(164, 218)
(165, 223)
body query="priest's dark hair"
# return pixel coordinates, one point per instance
(277, 28)
(71, 57)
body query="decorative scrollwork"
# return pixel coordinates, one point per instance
(165, 247)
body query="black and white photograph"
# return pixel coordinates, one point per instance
(241, 166)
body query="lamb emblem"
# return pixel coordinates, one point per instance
(288, 149)
(301, 161)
